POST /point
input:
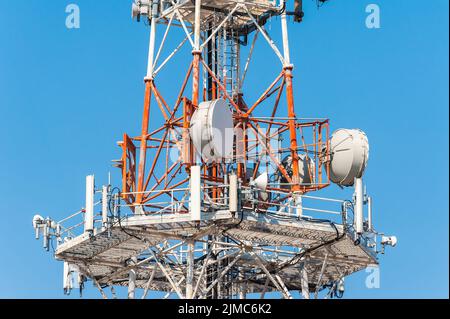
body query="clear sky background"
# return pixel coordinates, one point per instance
(66, 97)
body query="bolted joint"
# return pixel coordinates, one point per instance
(243, 116)
(288, 67)
(246, 248)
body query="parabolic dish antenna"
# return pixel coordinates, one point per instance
(349, 156)
(212, 130)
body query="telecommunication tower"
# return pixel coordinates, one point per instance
(217, 192)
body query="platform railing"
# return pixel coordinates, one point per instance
(109, 209)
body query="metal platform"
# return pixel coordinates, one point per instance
(211, 10)
(105, 255)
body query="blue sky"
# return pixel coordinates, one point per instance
(66, 97)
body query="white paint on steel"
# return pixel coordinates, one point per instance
(284, 30)
(190, 263)
(104, 207)
(212, 130)
(132, 279)
(304, 281)
(195, 188)
(198, 8)
(266, 36)
(349, 155)
(298, 205)
(67, 277)
(233, 201)
(89, 209)
(163, 41)
(359, 206)
(151, 48)
(38, 221)
(369, 213)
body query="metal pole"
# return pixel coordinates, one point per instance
(319, 281)
(283, 286)
(269, 275)
(198, 4)
(287, 55)
(45, 235)
(67, 278)
(99, 288)
(304, 281)
(237, 76)
(89, 209)
(104, 207)
(195, 189)
(298, 205)
(242, 288)
(197, 54)
(266, 285)
(233, 194)
(201, 275)
(190, 270)
(169, 278)
(290, 103)
(359, 202)
(151, 47)
(145, 119)
(132, 279)
(369, 213)
(150, 280)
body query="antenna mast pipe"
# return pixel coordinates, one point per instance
(290, 104)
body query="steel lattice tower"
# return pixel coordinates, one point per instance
(215, 223)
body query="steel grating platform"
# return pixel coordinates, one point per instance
(211, 9)
(104, 255)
